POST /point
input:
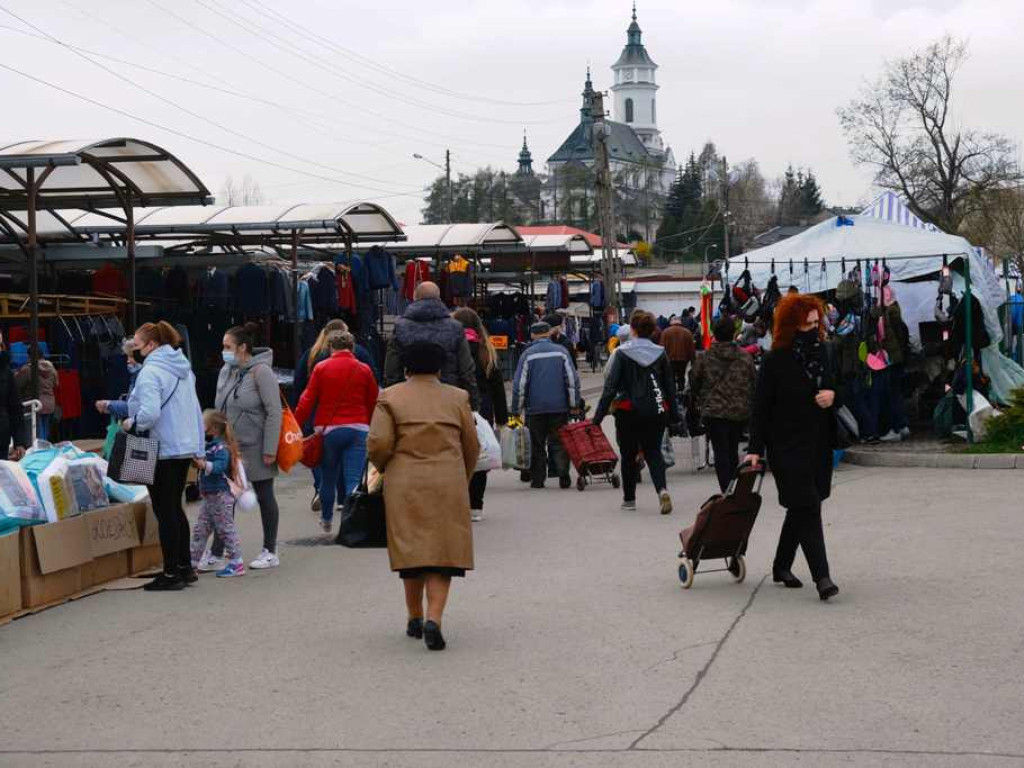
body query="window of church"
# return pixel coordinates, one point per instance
(654, 111)
(629, 110)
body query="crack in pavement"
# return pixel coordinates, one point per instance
(558, 746)
(675, 656)
(704, 670)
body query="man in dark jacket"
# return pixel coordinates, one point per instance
(428, 319)
(546, 388)
(680, 348)
(722, 382)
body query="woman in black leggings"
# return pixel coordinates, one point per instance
(164, 403)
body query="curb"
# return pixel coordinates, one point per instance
(935, 460)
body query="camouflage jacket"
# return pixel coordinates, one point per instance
(722, 382)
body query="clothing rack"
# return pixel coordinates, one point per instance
(15, 306)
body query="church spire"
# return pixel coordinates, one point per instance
(633, 34)
(586, 111)
(525, 160)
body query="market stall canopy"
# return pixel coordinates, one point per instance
(454, 238)
(362, 221)
(108, 173)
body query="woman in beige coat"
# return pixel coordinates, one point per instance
(423, 438)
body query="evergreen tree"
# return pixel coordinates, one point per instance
(790, 199)
(810, 196)
(687, 214)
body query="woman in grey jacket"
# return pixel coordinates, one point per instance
(249, 395)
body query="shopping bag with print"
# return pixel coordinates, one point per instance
(490, 450)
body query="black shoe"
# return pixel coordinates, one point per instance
(786, 578)
(525, 476)
(432, 636)
(537, 485)
(189, 576)
(565, 482)
(415, 628)
(827, 588)
(165, 583)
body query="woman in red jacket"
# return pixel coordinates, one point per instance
(342, 392)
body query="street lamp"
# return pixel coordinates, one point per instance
(707, 262)
(447, 168)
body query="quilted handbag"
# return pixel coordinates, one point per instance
(133, 458)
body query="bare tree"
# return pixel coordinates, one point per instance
(902, 126)
(1003, 225)
(249, 193)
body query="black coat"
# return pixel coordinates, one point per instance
(797, 434)
(493, 401)
(13, 424)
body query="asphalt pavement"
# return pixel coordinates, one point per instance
(572, 644)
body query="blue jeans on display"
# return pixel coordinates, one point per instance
(885, 401)
(43, 426)
(343, 463)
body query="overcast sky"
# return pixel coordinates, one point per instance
(338, 117)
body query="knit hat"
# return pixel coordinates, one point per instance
(539, 329)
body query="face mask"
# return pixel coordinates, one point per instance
(137, 356)
(229, 357)
(807, 337)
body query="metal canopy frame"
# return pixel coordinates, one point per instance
(118, 172)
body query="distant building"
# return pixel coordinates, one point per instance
(643, 168)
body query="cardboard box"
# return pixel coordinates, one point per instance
(10, 573)
(105, 568)
(149, 556)
(58, 574)
(112, 529)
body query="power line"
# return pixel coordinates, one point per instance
(318, 91)
(196, 139)
(281, 43)
(192, 113)
(371, 64)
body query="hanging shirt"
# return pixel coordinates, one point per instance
(346, 290)
(416, 272)
(109, 280)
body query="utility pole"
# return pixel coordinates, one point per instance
(604, 202)
(724, 184)
(448, 177)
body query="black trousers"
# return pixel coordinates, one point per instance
(544, 439)
(166, 492)
(477, 488)
(803, 528)
(635, 434)
(725, 435)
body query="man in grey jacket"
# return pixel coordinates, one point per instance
(428, 319)
(546, 388)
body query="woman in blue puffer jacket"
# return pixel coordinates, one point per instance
(163, 402)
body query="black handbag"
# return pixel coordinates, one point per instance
(363, 524)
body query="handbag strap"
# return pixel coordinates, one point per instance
(162, 406)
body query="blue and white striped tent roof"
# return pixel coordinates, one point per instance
(889, 206)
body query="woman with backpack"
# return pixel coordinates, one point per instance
(493, 402)
(642, 385)
(249, 395)
(793, 420)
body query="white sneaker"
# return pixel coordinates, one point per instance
(890, 437)
(905, 433)
(265, 560)
(209, 563)
(476, 515)
(665, 502)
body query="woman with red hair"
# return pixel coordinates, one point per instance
(793, 420)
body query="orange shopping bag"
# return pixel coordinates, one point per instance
(289, 444)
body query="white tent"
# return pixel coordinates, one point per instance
(911, 255)
(812, 261)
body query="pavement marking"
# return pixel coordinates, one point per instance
(703, 671)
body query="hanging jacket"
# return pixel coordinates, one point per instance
(251, 289)
(164, 403)
(380, 269)
(553, 297)
(416, 272)
(597, 294)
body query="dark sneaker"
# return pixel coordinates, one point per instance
(165, 583)
(565, 482)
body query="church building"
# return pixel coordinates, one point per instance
(643, 167)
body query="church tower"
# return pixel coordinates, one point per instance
(525, 160)
(635, 89)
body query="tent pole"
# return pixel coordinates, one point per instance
(969, 343)
(33, 278)
(296, 323)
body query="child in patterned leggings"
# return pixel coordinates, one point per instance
(220, 462)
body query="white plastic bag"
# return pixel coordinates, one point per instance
(245, 496)
(515, 448)
(18, 498)
(490, 449)
(668, 453)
